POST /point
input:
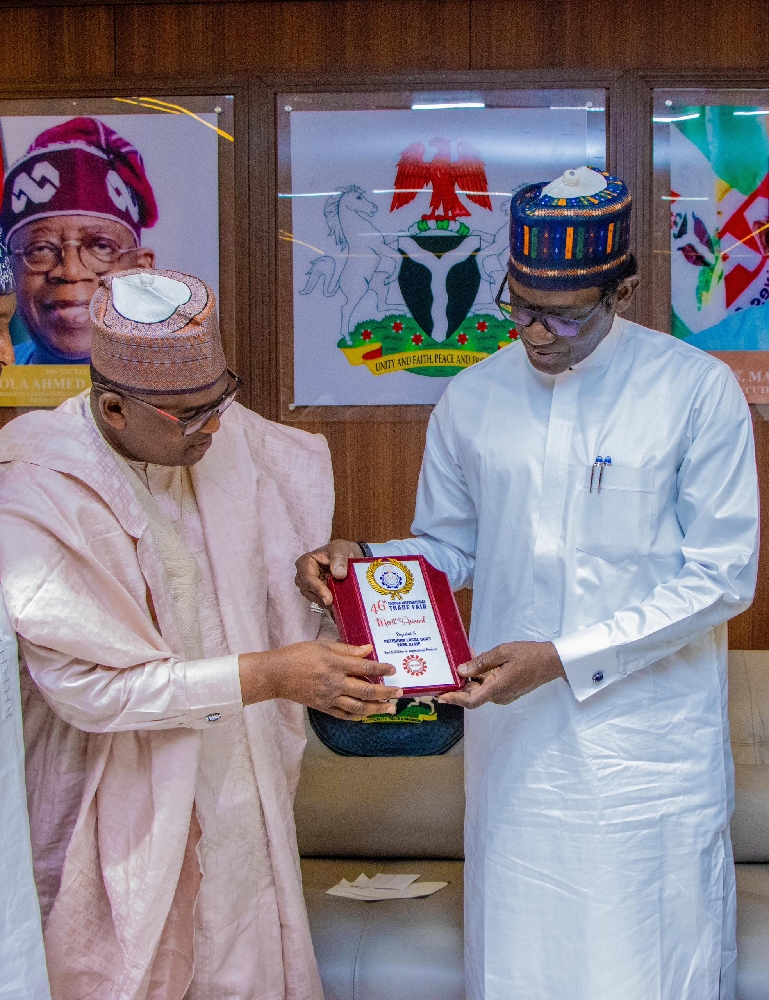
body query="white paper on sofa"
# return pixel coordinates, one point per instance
(385, 887)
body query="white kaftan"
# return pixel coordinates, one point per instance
(236, 906)
(597, 830)
(22, 959)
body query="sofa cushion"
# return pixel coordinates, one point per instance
(750, 822)
(380, 807)
(749, 723)
(752, 932)
(749, 706)
(395, 949)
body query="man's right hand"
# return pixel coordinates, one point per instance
(314, 568)
(326, 675)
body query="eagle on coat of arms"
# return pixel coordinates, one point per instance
(468, 174)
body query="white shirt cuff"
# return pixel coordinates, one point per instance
(213, 690)
(381, 549)
(588, 663)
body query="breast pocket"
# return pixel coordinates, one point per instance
(616, 523)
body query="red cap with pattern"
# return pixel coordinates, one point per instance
(81, 167)
(156, 332)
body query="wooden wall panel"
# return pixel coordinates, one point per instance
(655, 34)
(305, 36)
(377, 497)
(42, 45)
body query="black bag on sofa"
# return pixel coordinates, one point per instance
(420, 728)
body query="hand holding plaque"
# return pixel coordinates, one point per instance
(405, 608)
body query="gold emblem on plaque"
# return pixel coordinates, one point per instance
(390, 577)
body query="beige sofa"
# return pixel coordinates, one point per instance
(405, 814)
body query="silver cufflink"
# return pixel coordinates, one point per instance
(213, 717)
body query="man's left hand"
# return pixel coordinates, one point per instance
(505, 673)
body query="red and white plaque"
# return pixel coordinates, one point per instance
(405, 608)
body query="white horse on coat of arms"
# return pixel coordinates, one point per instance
(365, 263)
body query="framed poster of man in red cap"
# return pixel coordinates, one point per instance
(115, 184)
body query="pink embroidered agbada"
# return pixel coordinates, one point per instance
(115, 713)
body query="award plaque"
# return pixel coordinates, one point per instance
(405, 608)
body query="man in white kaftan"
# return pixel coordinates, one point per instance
(599, 775)
(145, 557)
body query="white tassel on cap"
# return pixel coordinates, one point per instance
(578, 183)
(148, 298)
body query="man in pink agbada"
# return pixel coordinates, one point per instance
(147, 542)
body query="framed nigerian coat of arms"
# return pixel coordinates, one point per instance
(395, 210)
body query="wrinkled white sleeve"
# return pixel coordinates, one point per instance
(162, 694)
(445, 520)
(717, 509)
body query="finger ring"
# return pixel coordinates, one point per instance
(317, 608)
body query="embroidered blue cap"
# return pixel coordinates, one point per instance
(571, 233)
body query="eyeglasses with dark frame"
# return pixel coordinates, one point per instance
(96, 253)
(199, 419)
(559, 326)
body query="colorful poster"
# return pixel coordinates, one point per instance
(85, 196)
(719, 199)
(399, 228)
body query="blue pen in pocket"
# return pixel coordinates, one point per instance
(606, 461)
(598, 462)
